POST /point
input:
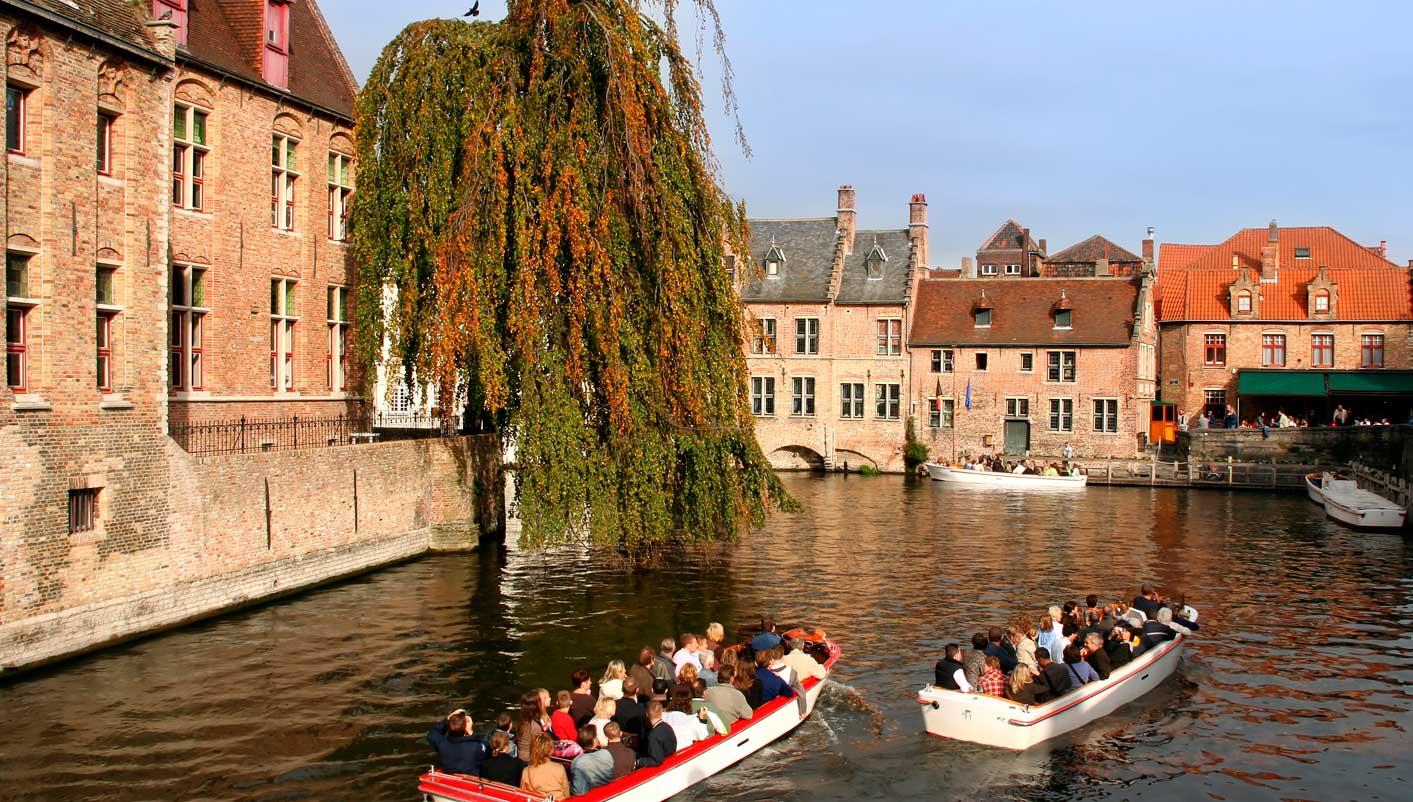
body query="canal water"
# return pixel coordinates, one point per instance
(1297, 689)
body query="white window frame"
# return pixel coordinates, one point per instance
(1061, 417)
(1018, 406)
(1055, 374)
(986, 270)
(186, 337)
(802, 396)
(1106, 416)
(284, 178)
(763, 339)
(1023, 355)
(336, 308)
(1068, 323)
(763, 396)
(189, 157)
(340, 193)
(941, 412)
(283, 295)
(888, 401)
(942, 360)
(807, 334)
(889, 337)
(1013, 270)
(976, 318)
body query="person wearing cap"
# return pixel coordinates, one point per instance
(767, 639)
(458, 750)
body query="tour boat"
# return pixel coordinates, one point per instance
(993, 721)
(1347, 503)
(1026, 481)
(679, 772)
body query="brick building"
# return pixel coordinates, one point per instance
(1294, 319)
(1009, 252)
(829, 310)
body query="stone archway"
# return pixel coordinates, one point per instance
(853, 460)
(796, 458)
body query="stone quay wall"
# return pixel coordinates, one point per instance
(1385, 447)
(248, 528)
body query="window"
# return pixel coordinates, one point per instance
(105, 298)
(1017, 407)
(177, 11)
(1371, 351)
(1302, 253)
(188, 293)
(729, 262)
(338, 338)
(983, 318)
(772, 268)
(942, 360)
(1214, 350)
(1243, 301)
(1062, 414)
(400, 399)
(282, 320)
(1061, 367)
(851, 400)
(1272, 350)
(981, 360)
(888, 398)
(807, 335)
(283, 175)
(988, 270)
(104, 143)
(939, 413)
(890, 337)
(1027, 362)
(1216, 402)
(1322, 301)
(1013, 270)
(1322, 351)
(763, 341)
(802, 402)
(189, 151)
(1063, 317)
(83, 509)
(16, 101)
(340, 191)
(17, 309)
(1106, 415)
(762, 395)
(276, 60)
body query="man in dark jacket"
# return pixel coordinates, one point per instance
(624, 758)
(501, 767)
(458, 751)
(1095, 655)
(1053, 676)
(1148, 601)
(660, 742)
(629, 711)
(949, 672)
(995, 648)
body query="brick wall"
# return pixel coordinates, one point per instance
(1379, 446)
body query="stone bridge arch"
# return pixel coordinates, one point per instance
(796, 458)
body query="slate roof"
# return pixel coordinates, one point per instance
(892, 285)
(1193, 279)
(1022, 312)
(1092, 250)
(119, 20)
(808, 247)
(1008, 237)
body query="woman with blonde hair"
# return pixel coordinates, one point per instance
(604, 711)
(1023, 688)
(715, 634)
(1023, 636)
(686, 675)
(612, 683)
(544, 777)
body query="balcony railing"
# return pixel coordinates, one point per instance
(257, 435)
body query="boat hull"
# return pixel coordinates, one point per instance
(679, 772)
(1365, 517)
(1312, 488)
(993, 721)
(944, 473)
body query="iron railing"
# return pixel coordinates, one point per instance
(256, 435)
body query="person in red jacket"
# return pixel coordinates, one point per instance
(561, 722)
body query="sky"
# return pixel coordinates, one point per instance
(1196, 118)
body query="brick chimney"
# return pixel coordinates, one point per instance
(1044, 247)
(1383, 248)
(1271, 256)
(848, 216)
(1148, 246)
(1025, 252)
(917, 227)
(969, 267)
(165, 33)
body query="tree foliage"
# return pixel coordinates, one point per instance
(541, 193)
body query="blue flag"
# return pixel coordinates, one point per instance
(968, 395)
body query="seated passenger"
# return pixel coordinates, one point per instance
(604, 712)
(767, 639)
(1055, 676)
(1154, 631)
(593, 767)
(1048, 629)
(642, 671)
(715, 723)
(628, 712)
(1168, 618)
(663, 667)
(582, 693)
(715, 637)
(805, 666)
(534, 719)
(726, 699)
(1023, 636)
(543, 776)
(745, 682)
(458, 751)
(1023, 687)
(993, 681)
(1080, 671)
(771, 685)
(688, 727)
(1095, 655)
(1188, 627)
(686, 675)
(505, 723)
(561, 720)
(949, 672)
(1019, 468)
(1050, 470)
(624, 758)
(1148, 600)
(975, 661)
(688, 653)
(1119, 646)
(1092, 606)
(611, 685)
(997, 649)
(708, 670)
(501, 766)
(660, 741)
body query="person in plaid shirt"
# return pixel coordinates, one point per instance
(992, 682)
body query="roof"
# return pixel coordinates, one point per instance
(118, 20)
(1092, 250)
(891, 286)
(228, 35)
(1007, 237)
(1193, 280)
(1022, 312)
(808, 247)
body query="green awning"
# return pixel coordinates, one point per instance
(1281, 382)
(1371, 382)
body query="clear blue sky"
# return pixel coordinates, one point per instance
(1075, 118)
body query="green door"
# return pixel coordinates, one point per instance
(1017, 437)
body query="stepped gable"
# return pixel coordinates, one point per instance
(890, 284)
(1022, 312)
(808, 247)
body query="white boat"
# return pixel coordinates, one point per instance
(993, 721)
(679, 772)
(1345, 502)
(1315, 482)
(947, 473)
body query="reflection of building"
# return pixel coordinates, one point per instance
(829, 309)
(1298, 319)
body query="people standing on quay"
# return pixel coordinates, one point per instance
(1230, 421)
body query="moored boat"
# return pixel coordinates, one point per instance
(679, 772)
(948, 473)
(1315, 482)
(993, 721)
(1347, 503)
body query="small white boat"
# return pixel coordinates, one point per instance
(1345, 502)
(993, 721)
(679, 772)
(1315, 482)
(947, 473)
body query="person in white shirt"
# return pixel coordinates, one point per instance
(804, 665)
(687, 726)
(689, 653)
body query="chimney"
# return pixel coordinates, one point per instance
(1410, 264)
(917, 227)
(969, 267)
(1025, 252)
(1043, 248)
(1101, 267)
(1383, 248)
(848, 216)
(1148, 246)
(1271, 256)
(165, 33)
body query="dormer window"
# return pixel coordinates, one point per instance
(1063, 318)
(983, 318)
(276, 49)
(1302, 253)
(873, 263)
(1243, 302)
(175, 13)
(774, 260)
(1322, 301)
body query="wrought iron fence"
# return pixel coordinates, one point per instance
(256, 435)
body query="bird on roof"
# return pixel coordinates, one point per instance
(475, 10)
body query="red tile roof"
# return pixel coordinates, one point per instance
(1092, 250)
(1022, 311)
(1193, 279)
(118, 19)
(1008, 237)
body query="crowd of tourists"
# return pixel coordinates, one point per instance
(995, 464)
(1035, 660)
(636, 715)
(1279, 420)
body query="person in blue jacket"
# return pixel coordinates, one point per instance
(458, 750)
(771, 685)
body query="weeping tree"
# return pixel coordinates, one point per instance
(541, 193)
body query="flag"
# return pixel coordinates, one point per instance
(968, 395)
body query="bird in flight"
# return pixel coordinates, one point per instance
(475, 10)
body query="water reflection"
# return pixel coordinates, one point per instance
(1299, 688)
